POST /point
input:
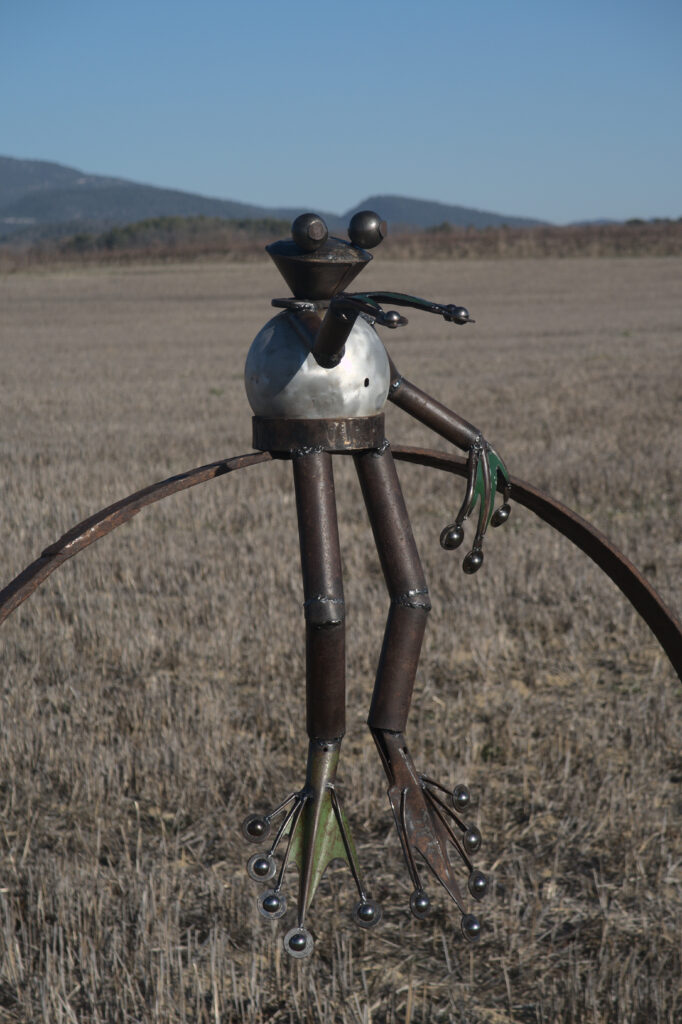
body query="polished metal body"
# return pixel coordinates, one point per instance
(283, 378)
(317, 377)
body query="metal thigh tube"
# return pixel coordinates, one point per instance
(323, 592)
(407, 588)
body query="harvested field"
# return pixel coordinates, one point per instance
(152, 690)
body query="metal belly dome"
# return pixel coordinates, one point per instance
(283, 379)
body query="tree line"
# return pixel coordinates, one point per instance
(186, 238)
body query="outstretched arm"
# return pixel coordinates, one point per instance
(486, 471)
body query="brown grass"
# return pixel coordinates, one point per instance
(152, 689)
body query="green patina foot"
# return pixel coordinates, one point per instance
(316, 832)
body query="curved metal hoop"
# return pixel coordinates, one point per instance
(103, 522)
(644, 599)
(630, 581)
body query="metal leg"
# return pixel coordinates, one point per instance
(316, 828)
(407, 588)
(426, 825)
(323, 596)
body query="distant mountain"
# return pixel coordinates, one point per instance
(39, 198)
(19, 178)
(37, 194)
(592, 223)
(424, 213)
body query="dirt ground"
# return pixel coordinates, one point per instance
(152, 689)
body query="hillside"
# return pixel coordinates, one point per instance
(41, 199)
(23, 178)
(38, 195)
(401, 212)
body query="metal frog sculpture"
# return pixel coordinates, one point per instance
(317, 378)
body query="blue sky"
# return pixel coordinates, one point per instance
(562, 111)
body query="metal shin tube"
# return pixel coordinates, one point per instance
(323, 593)
(406, 585)
(430, 412)
(397, 667)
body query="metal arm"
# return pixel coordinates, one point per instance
(431, 413)
(344, 308)
(486, 472)
(338, 322)
(451, 313)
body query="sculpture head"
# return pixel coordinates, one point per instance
(317, 266)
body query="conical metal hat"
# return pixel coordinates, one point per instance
(319, 274)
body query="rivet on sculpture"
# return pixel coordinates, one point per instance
(317, 378)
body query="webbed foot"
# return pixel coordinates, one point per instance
(316, 832)
(429, 827)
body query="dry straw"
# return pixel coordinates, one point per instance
(146, 706)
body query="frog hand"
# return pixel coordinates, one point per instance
(486, 475)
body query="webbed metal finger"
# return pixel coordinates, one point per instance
(500, 480)
(453, 535)
(483, 494)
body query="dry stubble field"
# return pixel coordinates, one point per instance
(152, 690)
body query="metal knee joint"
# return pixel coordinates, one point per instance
(323, 610)
(418, 598)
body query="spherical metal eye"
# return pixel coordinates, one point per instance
(501, 515)
(309, 232)
(473, 562)
(471, 927)
(272, 904)
(478, 885)
(255, 828)
(392, 318)
(367, 229)
(298, 943)
(261, 868)
(420, 904)
(472, 839)
(367, 913)
(451, 537)
(461, 797)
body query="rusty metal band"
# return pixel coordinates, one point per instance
(642, 596)
(342, 435)
(103, 522)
